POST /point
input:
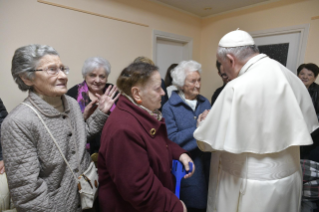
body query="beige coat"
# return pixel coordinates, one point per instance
(39, 179)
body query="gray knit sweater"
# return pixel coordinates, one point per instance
(39, 179)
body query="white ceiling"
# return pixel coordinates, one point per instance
(205, 8)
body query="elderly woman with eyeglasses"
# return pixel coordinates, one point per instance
(38, 177)
(181, 112)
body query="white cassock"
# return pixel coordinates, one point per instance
(255, 129)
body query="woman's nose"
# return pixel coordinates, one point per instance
(162, 92)
(62, 75)
(97, 79)
(197, 84)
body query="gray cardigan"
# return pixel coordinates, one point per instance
(39, 179)
(3, 114)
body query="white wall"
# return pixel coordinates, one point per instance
(77, 36)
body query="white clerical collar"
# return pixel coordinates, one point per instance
(251, 62)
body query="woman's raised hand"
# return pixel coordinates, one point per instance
(106, 101)
(89, 109)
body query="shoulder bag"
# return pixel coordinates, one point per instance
(87, 182)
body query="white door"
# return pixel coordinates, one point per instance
(169, 48)
(282, 47)
(168, 52)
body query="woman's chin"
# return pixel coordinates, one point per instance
(96, 90)
(59, 92)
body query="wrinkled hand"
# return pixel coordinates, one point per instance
(184, 206)
(2, 170)
(106, 101)
(201, 117)
(184, 158)
(89, 109)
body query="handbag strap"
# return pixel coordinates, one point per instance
(57, 145)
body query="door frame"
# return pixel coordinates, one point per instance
(303, 29)
(187, 41)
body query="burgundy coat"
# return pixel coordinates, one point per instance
(135, 161)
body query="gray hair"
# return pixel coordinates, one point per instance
(25, 59)
(180, 72)
(241, 52)
(93, 63)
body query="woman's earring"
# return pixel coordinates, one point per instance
(139, 101)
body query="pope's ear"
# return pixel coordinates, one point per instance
(26, 81)
(231, 59)
(135, 92)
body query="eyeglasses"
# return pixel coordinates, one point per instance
(54, 70)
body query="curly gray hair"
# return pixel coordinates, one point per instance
(180, 72)
(25, 59)
(93, 63)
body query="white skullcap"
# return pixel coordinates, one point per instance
(235, 39)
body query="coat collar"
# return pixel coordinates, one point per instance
(45, 108)
(251, 62)
(313, 87)
(148, 122)
(175, 99)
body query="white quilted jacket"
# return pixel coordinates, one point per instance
(39, 179)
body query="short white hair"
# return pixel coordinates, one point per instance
(241, 52)
(180, 72)
(93, 63)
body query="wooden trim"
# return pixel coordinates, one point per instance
(91, 13)
(314, 18)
